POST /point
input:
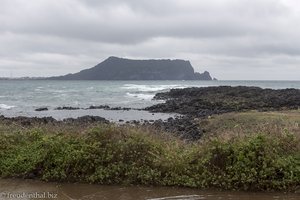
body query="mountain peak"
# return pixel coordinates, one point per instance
(113, 58)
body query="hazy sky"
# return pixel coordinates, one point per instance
(232, 39)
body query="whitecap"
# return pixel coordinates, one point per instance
(141, 96)
(39, 88)
(150, 88)
(6, 107)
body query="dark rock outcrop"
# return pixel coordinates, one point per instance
(99, 107)
(41, 109)
(67, 108)
(87, 119)
(115, 68)
(198, 103)
(202, 102)
(184, 127)
(29, 121)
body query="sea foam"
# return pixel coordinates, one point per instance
(6, 107)
(141, 96)
(150, 88)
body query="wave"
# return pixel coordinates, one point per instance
(141, 96)
(6, 107)
(39, 88)
(150, 88)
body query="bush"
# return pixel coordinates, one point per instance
(257, 162)
(125, 155)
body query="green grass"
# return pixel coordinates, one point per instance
(253, 159)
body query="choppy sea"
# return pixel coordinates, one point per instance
(22, 97)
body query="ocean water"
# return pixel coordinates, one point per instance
(22, 97)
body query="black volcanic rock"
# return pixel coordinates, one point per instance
(67, 108)
(115, 68)
(197, 103)
(202, 102)
(41, 109)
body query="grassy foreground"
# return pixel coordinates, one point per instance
(245, 151)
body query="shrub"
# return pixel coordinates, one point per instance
(110, 154)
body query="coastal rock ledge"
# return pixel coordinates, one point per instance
(114, 68)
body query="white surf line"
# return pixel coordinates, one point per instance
(6, 107)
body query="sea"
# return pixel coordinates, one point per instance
(22, 97)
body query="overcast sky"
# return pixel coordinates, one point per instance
(232, 39)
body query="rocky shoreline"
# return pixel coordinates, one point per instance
(104, 107)
(203, 102)
(193, 104)
(30, 121)
(199, 103)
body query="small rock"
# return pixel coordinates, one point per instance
(67, 108)
(41, 109)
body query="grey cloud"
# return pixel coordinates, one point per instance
(116, 21)
(222, 36)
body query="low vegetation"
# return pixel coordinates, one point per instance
(243, 151)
